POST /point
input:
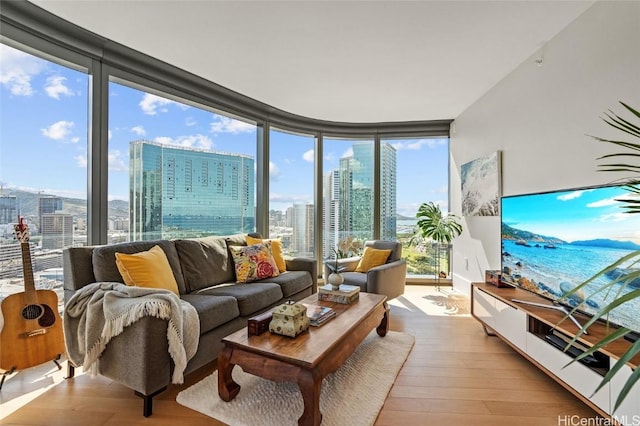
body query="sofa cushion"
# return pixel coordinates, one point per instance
(213, 310)
(254, 262)
(276, 248)
(205, 262)
(291, 282)
(104, 260)
(149, 269)
(251, 297)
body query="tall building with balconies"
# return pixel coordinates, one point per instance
(57, 230)
(8, 209)
(186, 192)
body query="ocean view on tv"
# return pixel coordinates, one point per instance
(552, 242)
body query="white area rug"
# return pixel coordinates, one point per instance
(353, 395)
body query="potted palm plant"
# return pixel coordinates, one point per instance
(434, 224)
(629, 150)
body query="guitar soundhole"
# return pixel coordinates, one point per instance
(31, 312)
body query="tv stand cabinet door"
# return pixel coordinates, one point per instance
(581, 378)
(511, 323)
(629, 411)
(484, 308)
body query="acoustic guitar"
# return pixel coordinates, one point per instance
(32, 332)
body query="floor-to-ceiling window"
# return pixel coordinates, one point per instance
(43, 165)
(185, 156)
(291, 191)
(418, 169)
(177, 170)
(348, 195)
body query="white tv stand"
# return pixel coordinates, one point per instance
(524, 324)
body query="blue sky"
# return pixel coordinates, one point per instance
(573, 215)
(43, 139)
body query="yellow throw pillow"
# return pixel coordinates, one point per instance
(149, 269)
(372, 258)
(276, 248)
(254, 262)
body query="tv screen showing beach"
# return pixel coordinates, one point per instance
(552, 242)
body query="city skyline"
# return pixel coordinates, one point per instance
(45, 128)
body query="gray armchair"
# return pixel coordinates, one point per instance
(388, 279)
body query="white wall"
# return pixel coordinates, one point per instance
(539, 116)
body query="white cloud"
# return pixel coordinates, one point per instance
(190, 121)
(415, 145)
(139, 130)
(289, 198)
(274, 171)
(109, 134)
(189, 141)
(230, 125)
(150, 104)
(18, 68)
(116, 162)
(570, 196)
(347, 153)
(55, 87)
(602, 203)
(309, 156)
(58, 131)
(81, 161)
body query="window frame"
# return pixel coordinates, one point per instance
(26, 26)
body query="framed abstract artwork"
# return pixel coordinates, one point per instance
(481, 186)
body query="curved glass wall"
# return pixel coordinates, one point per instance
(175, 157)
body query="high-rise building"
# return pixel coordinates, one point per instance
(388, 192)
(187, 192)
(8, 209)
(348, 197)
(49, 204)
(302, 241)
(356, 182)
(57, 230)
(331, 211)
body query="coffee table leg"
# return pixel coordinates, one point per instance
(227, 388)
(383, 328)
(310, 387)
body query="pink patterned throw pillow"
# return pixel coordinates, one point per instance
(254, 262)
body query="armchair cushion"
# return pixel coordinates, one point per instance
(371, 258)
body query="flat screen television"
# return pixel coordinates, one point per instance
(553, 241)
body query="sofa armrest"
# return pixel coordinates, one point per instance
(304, 264)
(78, 269)
(388, 279)
(139, 356)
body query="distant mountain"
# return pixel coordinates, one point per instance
(401, 217)
(614, 244)
(28, 204)
(511, 233)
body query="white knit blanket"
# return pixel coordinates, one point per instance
(100, 311)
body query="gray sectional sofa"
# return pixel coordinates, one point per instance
(138, 358)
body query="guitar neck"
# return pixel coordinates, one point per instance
(27, 270)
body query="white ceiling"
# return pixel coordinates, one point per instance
(353, 61)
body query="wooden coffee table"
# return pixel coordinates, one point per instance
(306, 359)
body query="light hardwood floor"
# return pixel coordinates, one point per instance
(455, 375)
